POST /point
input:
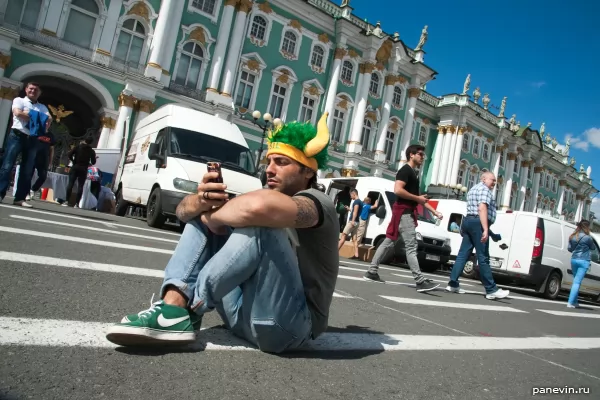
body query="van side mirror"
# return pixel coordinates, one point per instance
(380, 213)
(153, 152)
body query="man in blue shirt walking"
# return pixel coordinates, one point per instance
(351, 228)
(481, 214)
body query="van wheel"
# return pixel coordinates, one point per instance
(121, 206)
(552, 289)
(469, 270)
(154, 216)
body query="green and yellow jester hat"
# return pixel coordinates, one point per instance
(302, 142)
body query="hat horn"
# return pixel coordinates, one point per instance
(319, 142)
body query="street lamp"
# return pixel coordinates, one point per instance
(265, 126)
(458, 190)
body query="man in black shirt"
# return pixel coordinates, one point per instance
(82, 157)
(404, 220)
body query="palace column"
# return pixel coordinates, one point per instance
(510, 167)
(165, 36)
(102, 53)
(218, 57)
(413, 95)
(579, 211)
(437, 154)
(498, 149)
(7, 95)
(441, 181)
(537, 170)
(561, 195)
(237, 38)
(455, 149)
(109, 123)
(354, 144)
(333, 85)
(523, 185)
(126, 103)
(388, 95)
(144, 108)
(588, 205)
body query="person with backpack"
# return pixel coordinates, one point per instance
(580, 246)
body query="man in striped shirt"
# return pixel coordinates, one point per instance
(475, 231)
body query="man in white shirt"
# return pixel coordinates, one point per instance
(22, 141)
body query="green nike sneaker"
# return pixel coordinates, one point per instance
(160, 324)
(195, 318)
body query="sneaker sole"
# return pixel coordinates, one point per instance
(128, 336)
(456, 291)
(428, 289)
(497, 297)
(372, 280)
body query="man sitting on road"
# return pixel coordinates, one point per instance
(266, 292)
(475, 231)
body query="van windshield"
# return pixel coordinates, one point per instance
(196, 146)
(423, 214)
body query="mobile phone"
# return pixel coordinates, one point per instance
(214, 166)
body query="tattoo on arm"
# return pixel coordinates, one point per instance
(307, 215)
(188, 208)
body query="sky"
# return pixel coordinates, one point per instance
(544, 55)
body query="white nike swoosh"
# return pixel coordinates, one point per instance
(166, 323)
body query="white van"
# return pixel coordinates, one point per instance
(167, 159)
(537, 254)
(434, 244)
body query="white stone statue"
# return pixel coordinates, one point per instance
(588, 172)
(502, 107)
(486, 100)
(529, 124)
(542, 129)
(476, 95)
(581, 169)
(423, 39)
(567, 147)
(572, 163)
(467, 84)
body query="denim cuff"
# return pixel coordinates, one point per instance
(179, 284)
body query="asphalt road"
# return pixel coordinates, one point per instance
(66, 275)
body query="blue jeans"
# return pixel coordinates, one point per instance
(250, 276)
(579, 268)
(471, 238)
(18, 143)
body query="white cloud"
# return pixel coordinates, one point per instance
(590, 137)
(538, 85)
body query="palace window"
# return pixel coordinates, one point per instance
(486, 152)
(547, 182)
(554, 185)
(307, 109)
(365, 139)
(517, 168)
(397, 98)
(23, 13)
(462, 171)
(206, 6)
(389, 144)
(465, 143)
(316, 59)
(190, 65)
(277, 101)
(131, 42)
(338, 125)
(472, 179)
(245, 89)
(513, 198)
(81, 22)
(476, 144)
(422, 134)
(529, 173)
(289, 42)
(259, 27)
(374, 86)
(347, 71)
(502, 159)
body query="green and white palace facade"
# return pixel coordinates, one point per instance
(112, 62)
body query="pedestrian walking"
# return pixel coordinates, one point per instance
(30, 119)
(475, 231)
(82, 157)
(404, 220)
(580, 247)
(351, 228)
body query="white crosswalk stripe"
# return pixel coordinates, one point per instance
(448, 304)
